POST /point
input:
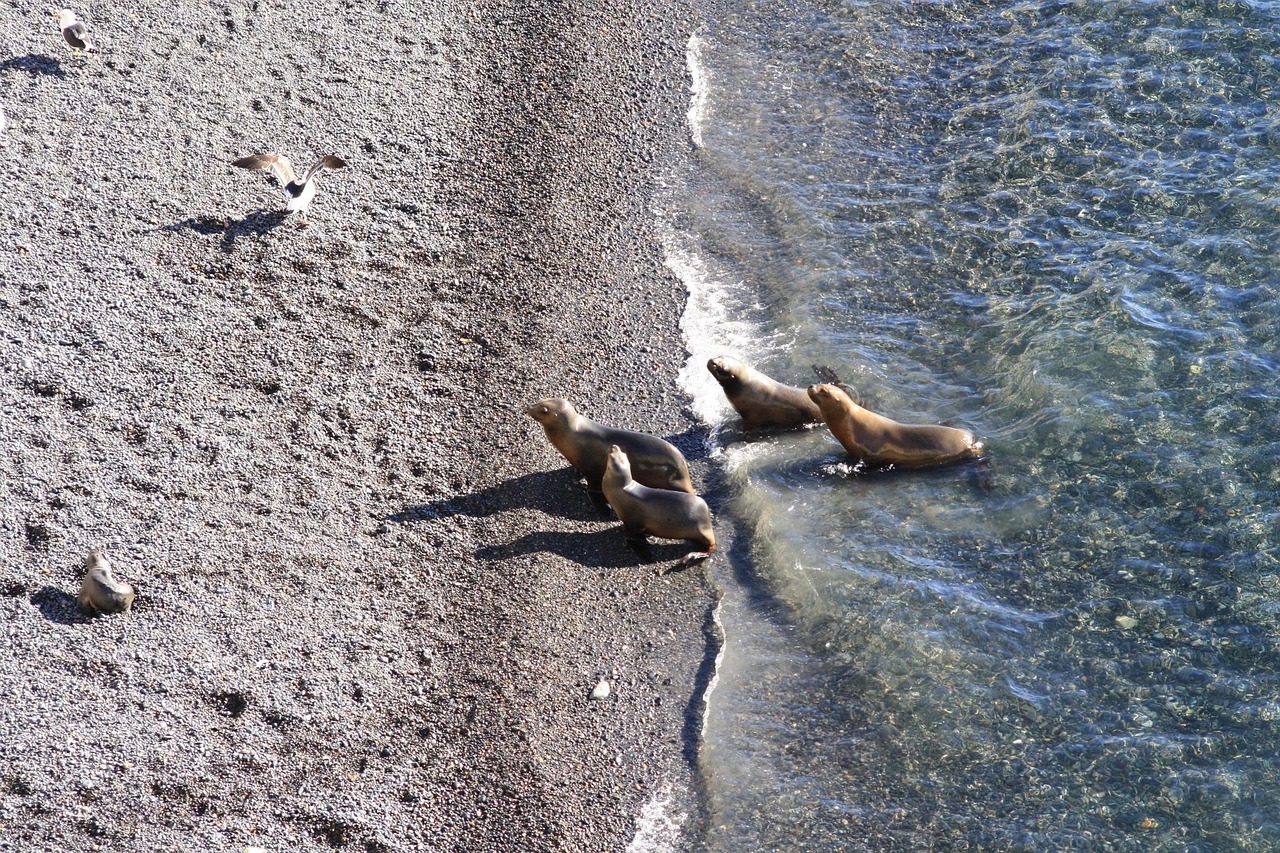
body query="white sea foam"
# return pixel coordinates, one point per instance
(709, 330)
(697, 116)
(657, 826)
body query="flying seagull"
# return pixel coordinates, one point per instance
(73, 31)
(297, 193)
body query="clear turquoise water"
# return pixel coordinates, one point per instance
(1054, 224)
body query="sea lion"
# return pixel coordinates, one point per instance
(585, 443)
(660, 512)
(100, 592)
(881, 442)
(761, 400)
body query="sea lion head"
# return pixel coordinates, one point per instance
(828, 396)
(726, 370)
(618, 461)
(551, 411)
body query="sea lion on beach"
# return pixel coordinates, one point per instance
(882, 442)
(659, 512)
(761, 400)
(100, 592)
(585, 443)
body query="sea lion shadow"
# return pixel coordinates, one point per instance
(57, 606)
(34, 63)
(551, 492)
(603, 549)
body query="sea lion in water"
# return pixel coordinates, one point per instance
(100, 592)
(660, 512)
(761, 400)
(585, 443)
(881, 442)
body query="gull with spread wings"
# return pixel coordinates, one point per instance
(297, 193)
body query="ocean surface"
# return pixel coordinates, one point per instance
(1055, 224)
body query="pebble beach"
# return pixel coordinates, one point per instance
(373, 602)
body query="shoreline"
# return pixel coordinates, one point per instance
(373, 599)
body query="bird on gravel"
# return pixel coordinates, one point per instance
(75, 33)
(297, 193)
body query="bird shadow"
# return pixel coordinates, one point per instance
(57, 606)
(556, 493)
(255, 224)
(602, 549)
(34, 63)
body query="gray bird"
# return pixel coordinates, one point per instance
(297, 193)
(100, 592)
(75, 33)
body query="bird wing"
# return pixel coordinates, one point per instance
(76, 36)
(277, 163)
(327, 163)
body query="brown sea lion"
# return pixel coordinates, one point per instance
(761, 400)
(660, 512)
(100, 592)
(881, 442)
(585, 443)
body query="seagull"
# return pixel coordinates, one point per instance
(73, 31)
(297, 193)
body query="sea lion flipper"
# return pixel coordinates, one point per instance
(826, 375)
(600, 502)
(638, 541)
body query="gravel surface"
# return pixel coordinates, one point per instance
(373, 603)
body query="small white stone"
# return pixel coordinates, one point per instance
(600, 691)
(1126, 622)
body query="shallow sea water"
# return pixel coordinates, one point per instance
(1055, 224)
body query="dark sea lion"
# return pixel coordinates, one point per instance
(658, 512)
(585, 443)
(880, 441)
(761, 400)
(100, 592)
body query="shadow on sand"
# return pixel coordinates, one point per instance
(603, 549)
(256, 224)
(34, 63)
(57, 606)
(556, 493)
